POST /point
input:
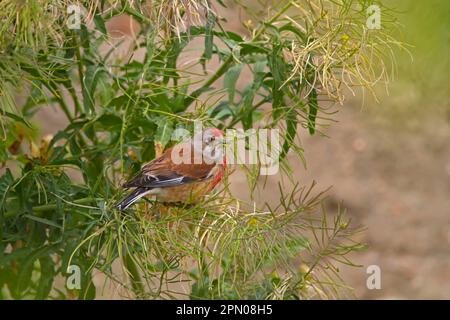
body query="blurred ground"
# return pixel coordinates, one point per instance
(397, 185)
(396, 182)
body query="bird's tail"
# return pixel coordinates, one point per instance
(132, 198)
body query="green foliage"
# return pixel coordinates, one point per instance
(119, 111)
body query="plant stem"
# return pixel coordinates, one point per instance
(272, 20)
(223, 68)
(135, 278)
(47, 207)
(79, 62)
(63, 105)
(239, 117)
(73, 94)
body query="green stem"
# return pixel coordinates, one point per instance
(79, 62)
(63, 105)
(38, 210)
(272, 20)
(135, 278)
(136, 15)
(223, 68)
(73, 94)
(239, 117)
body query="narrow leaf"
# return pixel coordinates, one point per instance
(312, 114)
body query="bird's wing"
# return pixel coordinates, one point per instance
(162, 172)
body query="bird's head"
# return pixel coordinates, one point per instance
(212, 136)
(211, 142)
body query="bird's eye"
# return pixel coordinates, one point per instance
(212, 138)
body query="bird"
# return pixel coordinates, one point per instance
(184, 173)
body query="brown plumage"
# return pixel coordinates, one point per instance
(172, 181)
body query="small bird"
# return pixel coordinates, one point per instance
(184, 173)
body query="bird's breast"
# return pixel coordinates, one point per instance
(188, 193)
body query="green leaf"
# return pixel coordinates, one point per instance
(247, 105)
(15, 117)
(47, 275)
(221, 3)
(84, 36)
(164, 131)
(88, 91)
(26, 268)
(250, 48)
(4, 154)
(6, 182)
(88, 289)
(109, 121)
(170, 69)
(312, 113)
(42, 220)
(119, 101)
(178, 101)
(100, 23)
(209, 28)
(296, 31)
(291, 131)
(230, 79)
(250, 93)
(278, 69)
(222, 111)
